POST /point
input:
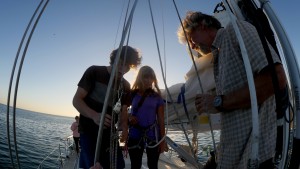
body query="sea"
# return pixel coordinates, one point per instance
(38, 136)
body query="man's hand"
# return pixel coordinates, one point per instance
(132, 120)
(204, 103)
(96, 166)
(107, 120)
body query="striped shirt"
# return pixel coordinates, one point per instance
(230, 75)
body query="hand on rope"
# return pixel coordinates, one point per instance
(107, 119)
(124, 136)
(96, 166)
(132, 120)
(163, 147)
(204, 103)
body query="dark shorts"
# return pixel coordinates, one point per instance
(87, 153)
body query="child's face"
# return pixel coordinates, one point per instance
(147, 81)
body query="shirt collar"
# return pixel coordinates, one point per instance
(217, 44)
(218, 39)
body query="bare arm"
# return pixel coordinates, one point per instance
(161, 122)
(73, 127)
(240, 98)
(263, 86)
(85, 110)
(124, 123)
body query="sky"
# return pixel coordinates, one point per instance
(72, 35)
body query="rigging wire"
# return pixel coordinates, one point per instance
(19, 73)
(112, 127)
(149, 3)
(165, 62)
(18, 78)
(195, 66)
(164, 79)
(197, 74)
(119, 23)
(99, 137)
(114, 141)
(114, 131)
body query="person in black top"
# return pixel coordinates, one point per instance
(89, 100)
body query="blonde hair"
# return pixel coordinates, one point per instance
(139, 85)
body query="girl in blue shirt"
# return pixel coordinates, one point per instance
(146, 120)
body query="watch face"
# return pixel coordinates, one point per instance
(217, 101)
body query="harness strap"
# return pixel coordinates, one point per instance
(144, 138)
(181, 99)
(182, 91)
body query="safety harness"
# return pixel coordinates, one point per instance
(144, 130)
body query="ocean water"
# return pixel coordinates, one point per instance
(38, 135)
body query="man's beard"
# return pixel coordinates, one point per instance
(204, 50)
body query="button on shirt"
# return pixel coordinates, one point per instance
(230, 75)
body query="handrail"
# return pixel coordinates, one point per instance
(253, 161)
(47, 157)
(67, 143)
(17, 81)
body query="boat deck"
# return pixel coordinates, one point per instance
(72, 161)
(165, 162)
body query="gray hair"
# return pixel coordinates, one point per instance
(192, 21)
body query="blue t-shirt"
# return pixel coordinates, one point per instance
(146, 115)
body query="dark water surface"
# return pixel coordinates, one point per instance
(37, 135)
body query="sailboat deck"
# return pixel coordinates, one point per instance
(164, 162)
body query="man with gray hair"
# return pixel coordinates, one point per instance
(206, 35)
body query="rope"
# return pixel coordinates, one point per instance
(117, 108)
(99, 138)
(119, 23)
(113, 132)
(162, 71)
(165, 65)
(164, 79)
(195, 66)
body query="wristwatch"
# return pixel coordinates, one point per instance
(218, 102)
